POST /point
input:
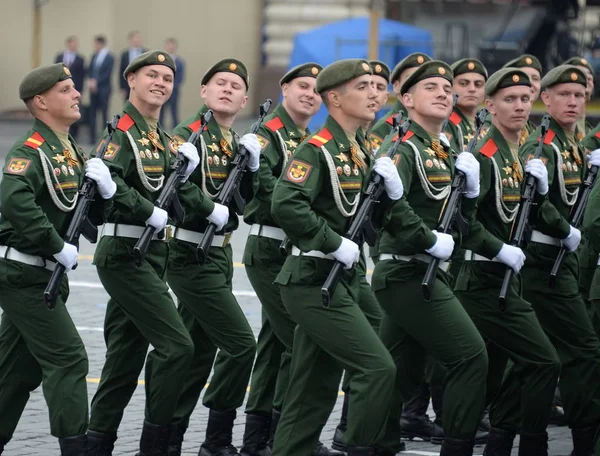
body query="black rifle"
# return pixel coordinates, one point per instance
(522, 232)
(167, 199)
(452, 216)
(80, 223)
(230, 189)
(361, 224)
(576, 220)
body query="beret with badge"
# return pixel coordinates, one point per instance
(309, 69)
(380, 69)
(579, 61)
(41, 79)
(340, 72)
(506, 77)
(413, 60)
(227, 66)
(526, 60)
(431, 69)
(469, 66)
(150, 58)
(563, 74)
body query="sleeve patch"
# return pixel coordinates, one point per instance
(17, 165)
(111, 151)
(298, 172)
(264, 142)
(175, 142)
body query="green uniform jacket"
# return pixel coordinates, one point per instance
(384, 126)
(591, 141)
(279, 138)
(459, 131)
(529, 127)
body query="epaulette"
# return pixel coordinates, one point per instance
(550, 135)
(125, 123)
(455, 118)
(195, 125)
(274, 124)
(489, 148)
(321, 138)
(35, 141)
(390, 119)
(407, 136)
(597, 135)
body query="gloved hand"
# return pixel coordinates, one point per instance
(443, 247)
(347, 253)
(67, 256)
(571, 242)
(594, 159)
(469, 165)
(96, 170)
(189, 151)
(388, 171)
(250, 142)
(511, 256)
(158, 219)
(537, 169)
(219, 216)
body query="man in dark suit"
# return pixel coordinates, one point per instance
(173, 104)
(99, 73)
(75, 63)
(135, 48)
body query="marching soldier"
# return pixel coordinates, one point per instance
(313, 201)
(41, 177)
(583, 126)
(381, 79)
(514, 333)
(412, 328)
(140, 310)
(207, 305)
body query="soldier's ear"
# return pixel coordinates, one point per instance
(333, 98)
(39, 102)
(396, 86)
(545, 96)
(491, 107)
(407, 100)
(284, 89)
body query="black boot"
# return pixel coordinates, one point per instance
(100, 443)
(500, 443)
(256, 435)
(415, 422)
(322, 450)
(338, 436)
(533, 444)
(275, 416)
(154, 440)
(485, 421)
(454, 447)
(73, 446)
(218, 435)
(176, 433)
(481, 436)
(583, 440)
(362, 451)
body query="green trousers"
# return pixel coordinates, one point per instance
(413, 328)
(39, 346)
(214, 320)
(564, 318)
(593, 303)
(326, 342)
(140, 312)
(514, 334)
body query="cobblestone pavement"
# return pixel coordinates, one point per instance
(87, 305)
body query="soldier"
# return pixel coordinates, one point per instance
(412, 328)
(207, 305)
(514, 333)
(381, 79)
(38, 193)
(313, 202)
(140, 310)
(584, 126)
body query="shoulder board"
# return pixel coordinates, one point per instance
(35, 141)
(597, 135)
(454, 118)
(549, 137)
(274, 124)
(407, 136)
(489, 148)
(321, 138)
(195, 125)
(125, 123)
(390, 120)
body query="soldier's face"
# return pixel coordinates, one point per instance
(151, 85)
(300, 96)
(511, 107)
(225, 93)
(61, 102)
(381, 86)
(565, 103)
(430, 98)
(536, 81)
(590, 81)
(470, 89)
(402, 79)
(358, 98)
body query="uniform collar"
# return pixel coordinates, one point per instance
(132, 111)
(290, 126)
(339, 135)
(214, 131)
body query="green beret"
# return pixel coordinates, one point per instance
(340, 72)
(506, 77)
(309, 69)
(413, 60)
(380, 69)
(150, 58)
(579, 61)
(468, 66)
(526, 60)
(564, 74)
(227, 66)
(431, 69)
(41, 79)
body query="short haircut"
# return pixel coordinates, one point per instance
(100, 39)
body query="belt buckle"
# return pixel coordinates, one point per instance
(227, 239)
(169, 232)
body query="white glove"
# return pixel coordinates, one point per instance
(96, 170)
(67, 256)
(511, 256)
(537, 169)
(219, 216)
(469, 165)
(571, 242)
(189, 151)
(158, 219)
(443, 247)
(594, 158)
(388, 171)
(347, 253)
(250, 142)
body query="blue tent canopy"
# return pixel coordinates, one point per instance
(350, 39)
